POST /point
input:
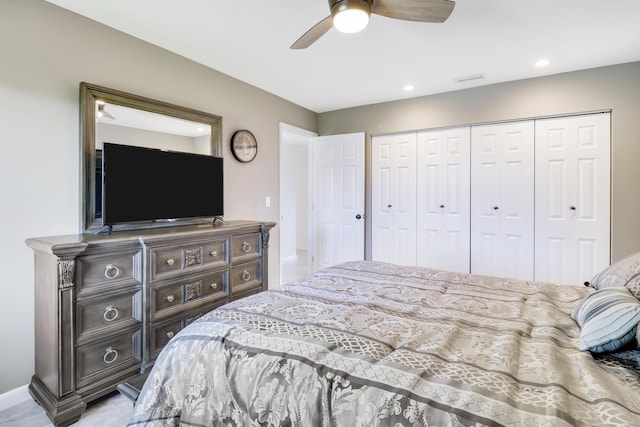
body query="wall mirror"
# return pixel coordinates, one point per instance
(109, 115)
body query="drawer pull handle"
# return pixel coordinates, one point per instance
(170, 334)
(170, 298)
(111, 271)
(213, 253)
(110, 313)
(170, 261)
(110, 356)
(246, 276)
(214, 286)
(246, 247)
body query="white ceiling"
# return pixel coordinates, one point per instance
(499, 39)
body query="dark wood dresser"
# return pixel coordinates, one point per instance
(106, 305)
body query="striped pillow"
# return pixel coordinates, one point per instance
(608, 319)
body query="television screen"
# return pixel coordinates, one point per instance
(146, 184)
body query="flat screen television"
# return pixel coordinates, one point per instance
(146, 184)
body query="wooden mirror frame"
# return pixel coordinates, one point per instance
(89, 94)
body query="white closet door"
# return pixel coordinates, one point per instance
(573, 197)
(502, 200)
(443, 205)
(393, 198)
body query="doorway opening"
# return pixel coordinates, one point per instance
(296, 241)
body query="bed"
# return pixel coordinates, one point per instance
(375, 344)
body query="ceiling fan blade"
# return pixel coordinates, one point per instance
(317, 31)
(414, 10)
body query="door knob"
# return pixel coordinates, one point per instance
(441, 206)
(495, 208)
(358, 216)
(573, 208)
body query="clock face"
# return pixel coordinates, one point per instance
(244, 146)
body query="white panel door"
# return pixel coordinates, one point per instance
(443, 205)
(502, 200)
(338, 199)
(393, 198)
(572, 198)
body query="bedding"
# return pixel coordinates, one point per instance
(374, 344)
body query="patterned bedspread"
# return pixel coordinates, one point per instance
(373, 344)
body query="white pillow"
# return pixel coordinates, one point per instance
(608, 319)
(623, 273)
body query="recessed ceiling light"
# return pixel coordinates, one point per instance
(542, 63)
(409, 87)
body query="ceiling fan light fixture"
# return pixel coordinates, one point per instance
(102, 112)
(350, 16)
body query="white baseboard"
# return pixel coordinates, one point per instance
(14, 397)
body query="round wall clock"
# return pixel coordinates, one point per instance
(244, 146)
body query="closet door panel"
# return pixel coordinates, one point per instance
(405, 195)
(382, 220)
(573, 192)
(381, 198)
(457, 184)
(404, 202)
(429, 210)
(430, 203)
(443, 199)
(555, 256)
(587, 190)
(455, 247)
(517, 202)
(502, 205)
(555, 191)
(393, 201)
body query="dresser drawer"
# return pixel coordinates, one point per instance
(116, 311)
(108, 357)
(246, 246)
(215, 252)
(117, 269)
(166, 296)
(192, 290)
(246, 276)
(246, 293)
(169, 261)
(162, 332)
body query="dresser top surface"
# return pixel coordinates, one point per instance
(76, 243)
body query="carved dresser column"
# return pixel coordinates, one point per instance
(53, 383)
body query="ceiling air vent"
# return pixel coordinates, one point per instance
(469, 78)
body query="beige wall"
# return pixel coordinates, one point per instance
(45, 52)
(615, 88)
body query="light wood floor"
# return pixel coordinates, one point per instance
(112, 410)
(295, 269)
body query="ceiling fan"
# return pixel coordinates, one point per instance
(351, 16)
